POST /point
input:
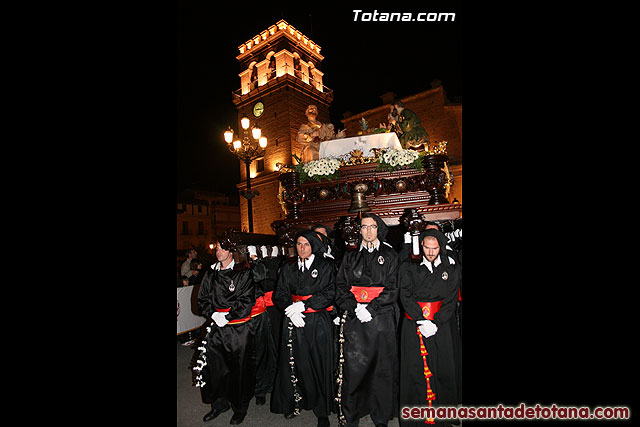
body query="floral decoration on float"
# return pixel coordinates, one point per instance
(389, 160)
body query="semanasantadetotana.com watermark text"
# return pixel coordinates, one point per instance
(376, 16)
(521, 412)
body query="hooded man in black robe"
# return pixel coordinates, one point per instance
(227, 363)
(429, 345)
(366, 289)
(305, 292)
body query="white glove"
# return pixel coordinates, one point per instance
(252, 251)
(427, 328)
(336, 321)
(296, 307)
(362, 313)
(265, 252)
(297, 319)
(220, 317)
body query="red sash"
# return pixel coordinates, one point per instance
(366, 294)
(258, 308)
(297, 298)
(429, 309)
(268, 301)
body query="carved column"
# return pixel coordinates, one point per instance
(286, 237)
(434, 179)
(349, 228)
(292, 195)
(414, 223)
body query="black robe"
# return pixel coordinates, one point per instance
(370, 380)
(268, 284)
(266, 352)
(230, 371)
(417, 283)
(312, 344)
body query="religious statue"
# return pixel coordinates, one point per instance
(408, 127)
(312, 133)
(393, 119)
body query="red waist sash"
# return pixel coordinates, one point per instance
(366, 294)
(258, 308)
(297, 298)
(268, 301)
(429, 309)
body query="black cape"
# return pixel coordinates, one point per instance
(417, 283)
(312, 344)
(230, 351)
(370, 380)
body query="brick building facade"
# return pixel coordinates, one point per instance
(201, 215)
(280, 69)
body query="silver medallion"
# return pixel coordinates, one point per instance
(380, 260)
(445, 276)
(314, 273)
(232, 287)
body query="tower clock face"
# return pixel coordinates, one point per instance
(258, 109)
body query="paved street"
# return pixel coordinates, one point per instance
(191, 409)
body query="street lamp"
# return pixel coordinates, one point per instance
(251, 147)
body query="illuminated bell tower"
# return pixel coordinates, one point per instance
(279, 78)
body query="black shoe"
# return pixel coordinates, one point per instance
(323, 422)
(260, 400)
(215, 412)
(290, 415)
(237, 418)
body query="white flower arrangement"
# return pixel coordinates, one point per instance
(322, 168)
(400, 157)
(395, 159)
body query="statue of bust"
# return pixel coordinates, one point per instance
(312, 133)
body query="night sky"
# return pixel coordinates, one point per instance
(362, 61)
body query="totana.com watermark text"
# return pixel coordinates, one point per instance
(376, 16)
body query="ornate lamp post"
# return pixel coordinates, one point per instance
(248, 149)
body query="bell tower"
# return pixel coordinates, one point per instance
(279, 78)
